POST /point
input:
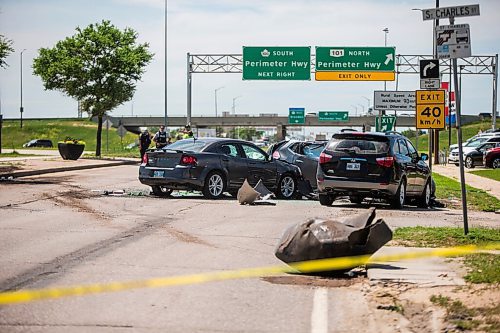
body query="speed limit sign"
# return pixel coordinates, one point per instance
(429, 105)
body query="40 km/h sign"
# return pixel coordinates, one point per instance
(430, 109)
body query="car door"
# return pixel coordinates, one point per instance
(306, 158)
(421, 168)
(259, 166)
(233, 163)
(408, 165)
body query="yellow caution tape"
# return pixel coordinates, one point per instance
(303, 267)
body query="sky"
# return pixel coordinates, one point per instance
(224, 27)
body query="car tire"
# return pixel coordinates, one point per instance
(287, 187)
(356, 199)
(214, 186)
(469, 163)
(326, 199)
(496, 163)
(161, 191)
(424, 200)
(398, 200)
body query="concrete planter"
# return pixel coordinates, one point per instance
(70, 151)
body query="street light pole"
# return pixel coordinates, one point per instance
(355, 109)
(166, 116)
(368, 100)
(386, 31)
(21, 109)
(216, 100)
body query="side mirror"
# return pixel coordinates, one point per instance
(424, 157)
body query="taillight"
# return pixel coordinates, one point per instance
(188, 160)
(324, 158)
(145, 159)
(385, 161)
(276, 155)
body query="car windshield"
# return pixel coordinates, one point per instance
(188, 145)
(359, 145)
(475, 143)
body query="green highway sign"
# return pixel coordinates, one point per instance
(384, 123)
(296, 115)
(355, 59)
(333, 116)
(276, 63)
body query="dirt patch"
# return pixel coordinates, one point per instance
(315, 281)
(75, 200)
(185, 237)
(6, 168)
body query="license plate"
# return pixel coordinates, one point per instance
(352, 166)
(158, 173)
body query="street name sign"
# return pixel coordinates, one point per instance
(296, 115)
(447, 12)
(333, 116)
(394, 100)
(276, 63)
(453, 41)
(385, 123)
(430, 83)
(339, 63)
(430, 109)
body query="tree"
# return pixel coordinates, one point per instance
(5, 50)
(98, 66)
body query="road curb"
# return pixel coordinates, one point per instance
(18, 174)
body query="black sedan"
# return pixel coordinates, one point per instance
(304, 154)
(475, 157)
(215, 166)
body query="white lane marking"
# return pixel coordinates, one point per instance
(319, 314)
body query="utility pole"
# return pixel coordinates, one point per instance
(21, 109)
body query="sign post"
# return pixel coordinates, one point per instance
(339, 63)
(276, 63)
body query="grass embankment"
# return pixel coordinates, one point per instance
(489, 173)
(468, 131)
(449, 189)
(14, 137)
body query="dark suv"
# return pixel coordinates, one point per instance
(376, 165)
(39, 143)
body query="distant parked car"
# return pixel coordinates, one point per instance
(492, 158)
(376, 165)
(39, 143)
(304, 154)
(475, 157)
(215, 166)
(453, 158)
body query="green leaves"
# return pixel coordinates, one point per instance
(5, 49)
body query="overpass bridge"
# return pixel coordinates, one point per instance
(133, 123)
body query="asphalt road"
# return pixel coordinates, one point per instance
(55, 231)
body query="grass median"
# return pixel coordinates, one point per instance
(493, 174)
(449, 190)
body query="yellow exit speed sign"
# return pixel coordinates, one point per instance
(430, 109)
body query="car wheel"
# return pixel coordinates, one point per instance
(398, 200)
(214, 185)
(469, 163)
(326, 199)
(356, 199)
(161, 191)
(287, 187)
(424, 200)
(496, 163)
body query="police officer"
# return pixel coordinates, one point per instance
(161, 138)
(144, 142)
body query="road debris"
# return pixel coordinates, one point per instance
(258, 195)
(321, 239)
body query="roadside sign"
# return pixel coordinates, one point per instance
(429, 69)
(453, 41)
(394, 100)
(447, 12)
(276, 63)
(121, 131)
(333, 115)
(296, 115)
(107, 124)
(339, 63)
(384, 123)
(430, 109)
(430, 83)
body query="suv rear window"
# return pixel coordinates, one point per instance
(359, 145)
(188, 145)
